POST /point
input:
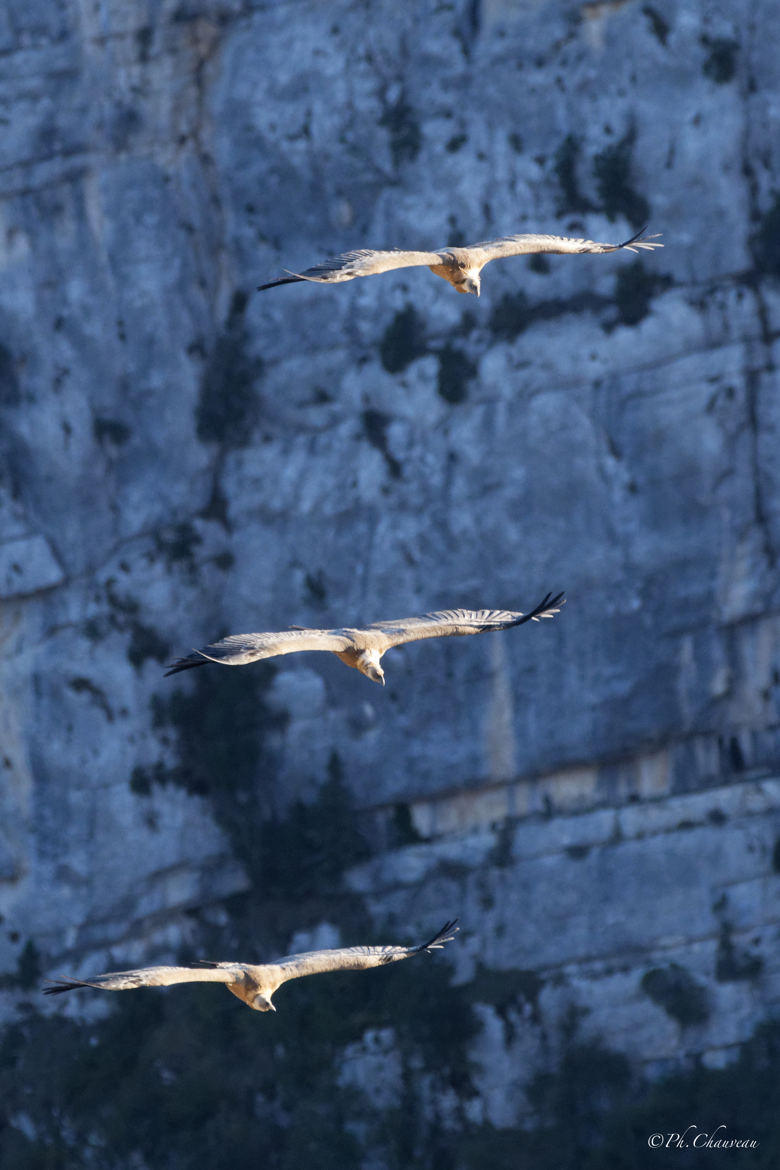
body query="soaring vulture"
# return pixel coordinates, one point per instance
(363, 649)
(253, 983)
(460, 266)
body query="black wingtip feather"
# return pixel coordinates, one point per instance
(57, 986)
(281, 280)
(633, 239)
(448, 926)
(185, 664)
(550, 601)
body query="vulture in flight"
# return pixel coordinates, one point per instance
(256, 983)
(363, 649)
(460, 266)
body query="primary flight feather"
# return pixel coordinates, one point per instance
(254, 983)
(363, 648)
(461, 266)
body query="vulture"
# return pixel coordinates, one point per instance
(363, 649)
(256, 983)
(461, 266)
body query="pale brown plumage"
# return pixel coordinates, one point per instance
(362, 649)
(254, 984)
(461, 266)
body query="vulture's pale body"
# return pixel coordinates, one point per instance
(253, 983)
(363, 648)
(461, 266)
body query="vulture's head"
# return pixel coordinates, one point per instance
(368, 664)
(262, 1003)
(460, 271)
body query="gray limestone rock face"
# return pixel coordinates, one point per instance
(27, 565)
(182, 457)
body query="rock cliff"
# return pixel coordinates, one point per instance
(181, 457)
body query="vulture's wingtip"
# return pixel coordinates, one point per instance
(641, 240)
(188, 663)
(57, 986)
(445, 935)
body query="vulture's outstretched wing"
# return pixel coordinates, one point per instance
(358, 958)
(150, 977)
(364, 262)
(453, 622)
(523, 244)
(239, 649)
